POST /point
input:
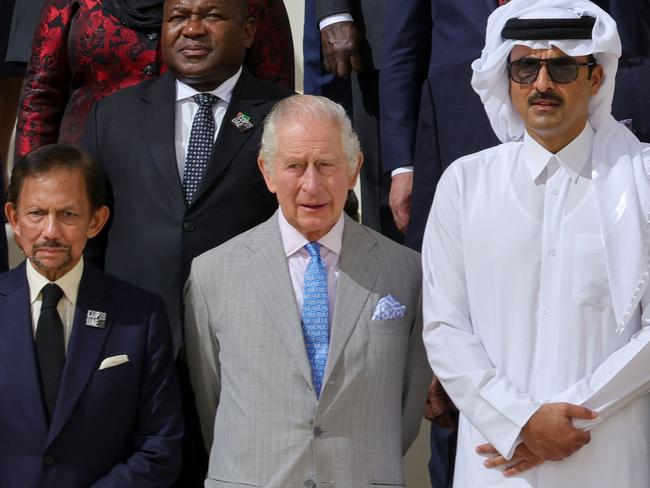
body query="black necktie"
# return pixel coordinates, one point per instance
(50, 346)
(199, 147)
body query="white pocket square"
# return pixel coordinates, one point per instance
(113, 361)
(388, 308)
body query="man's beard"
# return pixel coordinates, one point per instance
(50, 243)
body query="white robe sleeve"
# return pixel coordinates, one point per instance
(621, 378)
(484, 395)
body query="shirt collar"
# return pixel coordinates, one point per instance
(572, 157)
(293, 241)
(69, 282)
(223, 91)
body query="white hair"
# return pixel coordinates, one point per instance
(305, 107)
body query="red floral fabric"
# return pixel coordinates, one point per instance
(80, 54)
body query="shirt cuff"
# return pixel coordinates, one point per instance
(333, 19)
(401, 169)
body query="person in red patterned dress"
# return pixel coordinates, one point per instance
(84, 50)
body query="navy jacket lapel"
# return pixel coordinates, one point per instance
(84, 348)
(17, 350)
(157, 121)
(230, 139)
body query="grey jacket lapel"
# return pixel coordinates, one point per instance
(359, 268)
(271, 281)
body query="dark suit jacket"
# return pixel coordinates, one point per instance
(119, 426)
(631, 100)
(452, 124)
(633, 23)
(23, 23)
(422, 38)
(153, 236)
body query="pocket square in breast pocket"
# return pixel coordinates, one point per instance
(113, 361)
(388, 308)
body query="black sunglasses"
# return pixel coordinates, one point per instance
(561, 70)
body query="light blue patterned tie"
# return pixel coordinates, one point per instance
(200, 145)
(315, 314)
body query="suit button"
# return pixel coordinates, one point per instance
(318, 431)
(49, 459)
(309, 484)
(149, 69)
(152, 36)
(188, 227)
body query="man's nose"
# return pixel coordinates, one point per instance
(311, 179)
(194, 27)
(52, 226)
(543, 82)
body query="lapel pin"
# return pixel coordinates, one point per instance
(242, 122)
(96, 319)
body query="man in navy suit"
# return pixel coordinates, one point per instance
(88, 392)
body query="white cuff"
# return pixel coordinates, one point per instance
(402, 169)
(333, 19)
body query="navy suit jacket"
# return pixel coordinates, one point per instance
(452, 124)
(116, 427)
(422, 38)
(631, 100)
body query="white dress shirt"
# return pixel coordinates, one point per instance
(298, 258)
(517, 313)
(186, 109)
(69, 283)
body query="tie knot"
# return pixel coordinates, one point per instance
(313, 248)
(205, 99)
(52, 293)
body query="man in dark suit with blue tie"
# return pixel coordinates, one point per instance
(88, 390)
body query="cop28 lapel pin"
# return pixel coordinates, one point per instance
(242, 122)
(96, 319)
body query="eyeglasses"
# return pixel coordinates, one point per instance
(561, 70)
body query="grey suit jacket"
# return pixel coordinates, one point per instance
(248, 365)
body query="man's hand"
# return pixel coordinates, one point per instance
(522, 460)
(401, 188)
(550, 434)
(439, 407)
(340, 44)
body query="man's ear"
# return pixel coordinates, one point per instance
(12, 217)
(597, 77)
(250, 28)
(98, 221)
(357, 170)
(266, 173)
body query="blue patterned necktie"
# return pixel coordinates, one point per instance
(199, 148)
(315, 314)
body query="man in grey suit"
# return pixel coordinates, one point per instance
(304, 334)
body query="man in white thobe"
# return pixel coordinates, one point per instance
(536, 263)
